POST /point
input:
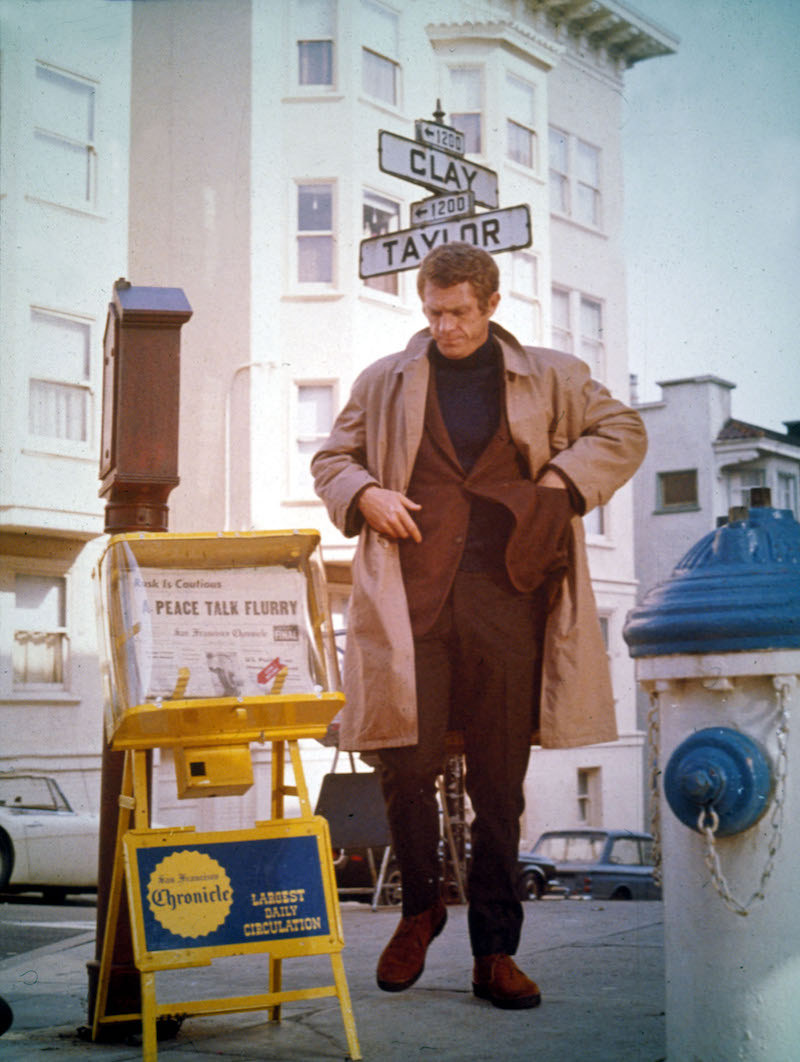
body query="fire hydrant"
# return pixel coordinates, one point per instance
(717, 647)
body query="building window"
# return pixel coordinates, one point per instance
(575, 314)
(676, 491)
(521, 311)
(787, 492)
(520, 131)
(591, 334)
(314, 412)
(575, 178)
(40, 636)
(466, 99)
(594, 522)
(381, 215)
(59, 395)
(749, 478)
(560, 312)
(315, 33)
(64, 156)
(589, 796)
(315, 233)
(380, 71)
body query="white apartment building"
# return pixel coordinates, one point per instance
(234, 154)
(702, 462)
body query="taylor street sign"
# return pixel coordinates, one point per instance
(442, 208)
(493, 231)
(439, 136)
(434, 169)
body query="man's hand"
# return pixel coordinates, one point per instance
(389, 512)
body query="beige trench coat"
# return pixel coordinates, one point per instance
(558, 416)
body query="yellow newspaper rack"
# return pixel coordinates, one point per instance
(214, 642)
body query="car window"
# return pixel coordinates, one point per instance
(625, 852)
(33, 794)
(570, 848)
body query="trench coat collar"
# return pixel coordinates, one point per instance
(414, 367)
(415, 360)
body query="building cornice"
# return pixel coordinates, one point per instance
(607, 26)
(507, 33)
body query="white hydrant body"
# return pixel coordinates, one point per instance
(717, 648)
(732, 980)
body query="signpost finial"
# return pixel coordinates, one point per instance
(438, 114)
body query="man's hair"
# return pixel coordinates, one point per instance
(454, 263)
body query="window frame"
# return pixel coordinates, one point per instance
(453, 116)
(380, 286)
(515, 121)
(574, 335)
(676, 507)
(302, 33)
(571, 182)
(86, 386)
(89, 145)
(313, 287)
(393, 62)
(298, 488)
(10, 693)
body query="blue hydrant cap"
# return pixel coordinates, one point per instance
(736, 589)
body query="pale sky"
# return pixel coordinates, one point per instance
(712, 170)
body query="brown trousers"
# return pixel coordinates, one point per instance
(480, 665)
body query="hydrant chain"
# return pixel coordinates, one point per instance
(783, 689)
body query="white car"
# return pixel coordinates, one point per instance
(44, 844)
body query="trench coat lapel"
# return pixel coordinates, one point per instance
(415, 375)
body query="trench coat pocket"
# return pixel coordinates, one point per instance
(538, 547)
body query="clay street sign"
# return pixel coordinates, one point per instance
(493, 231)
(434, 169)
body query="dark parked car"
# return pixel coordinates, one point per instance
(600, 864)
(535, 875)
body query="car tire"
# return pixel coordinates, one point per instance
(393, 886)
(6, 860)
(531, 886)
(621, 894)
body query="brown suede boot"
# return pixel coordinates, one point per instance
(499, 979)
(403, 958)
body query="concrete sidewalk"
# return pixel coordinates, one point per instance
(600, 968)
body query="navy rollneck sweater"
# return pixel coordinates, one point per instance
(470, 394)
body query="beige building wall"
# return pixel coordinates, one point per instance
(65, 96)
(224, 138)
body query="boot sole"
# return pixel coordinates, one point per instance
(401, 986)
(520, 1003)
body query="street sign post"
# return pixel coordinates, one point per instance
(492, 231)
(438, 170)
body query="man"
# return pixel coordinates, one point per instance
(464, 464)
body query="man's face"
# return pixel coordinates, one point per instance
(457, 322)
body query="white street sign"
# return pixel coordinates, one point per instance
(440, 136)
(441, 208)
(493, 231)
(434, 169)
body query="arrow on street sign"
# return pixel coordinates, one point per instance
(441, 208)
(493, 231)
(434, 134)
(434, 169)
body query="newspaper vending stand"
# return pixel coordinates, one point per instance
(213, 642)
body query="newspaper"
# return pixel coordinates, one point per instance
(238, 632)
